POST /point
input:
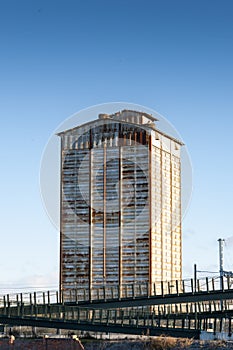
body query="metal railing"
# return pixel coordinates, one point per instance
(106, 293)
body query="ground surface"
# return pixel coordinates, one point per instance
(160, 343)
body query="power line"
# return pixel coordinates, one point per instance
(203, 271)
(28, 287)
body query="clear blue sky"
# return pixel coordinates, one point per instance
(58, 57)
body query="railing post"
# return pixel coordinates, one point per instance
(177, 287)
(184, 323)
(137, 320)
(210, 307)
(76, 295)
(148, 290)
(228, 282)
(107, 317)
(119, 291)
(213, 286)
(221, 324)
(154, 289)
(31, 305)
(18, 305)
(4, 303)
(162, 290)
(222, 283)
(8, 300)
(35, 304)
(57, 297)
(198, 286)
(8, 304)
(192, 286)
(22, 309)
(174, 324)
(133, 294)
(167, 323)
(207, 284)
(140, 290)
(183, 286)
(215, 326)
(191, 308)
(189, 323)
(229, 327)
(70, 295)
(93, 316)
(101, 315)
(115, 318)
(122, 320)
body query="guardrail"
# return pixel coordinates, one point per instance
(113, 292)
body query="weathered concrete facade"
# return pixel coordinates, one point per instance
(120, 203)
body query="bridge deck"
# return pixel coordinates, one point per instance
(174, 311)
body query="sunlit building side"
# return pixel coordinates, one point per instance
(120, 216)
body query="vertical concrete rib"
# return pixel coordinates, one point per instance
(104, 212)
(90, 218)
(61, 216)
(180, 221)
(120, 226)
(151, 206)
(161, 213)
(171, 213)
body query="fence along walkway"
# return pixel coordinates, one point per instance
(181, 289)
(174, 308)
